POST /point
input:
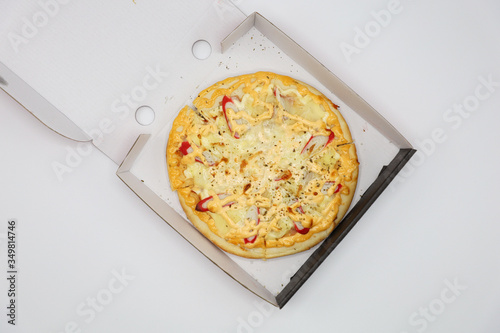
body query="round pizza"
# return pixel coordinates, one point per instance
(264, 165)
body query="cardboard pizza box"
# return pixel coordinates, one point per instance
(144, 61)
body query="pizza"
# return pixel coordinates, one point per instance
(264, 165)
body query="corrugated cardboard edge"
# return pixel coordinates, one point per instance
(341, 90)
(353, 100)
(186, 230)
(319, 71)
(388, 173)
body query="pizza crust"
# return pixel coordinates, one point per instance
(202, 226)
(274, 252)
(222, 234)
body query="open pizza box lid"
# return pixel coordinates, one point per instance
(85, 80)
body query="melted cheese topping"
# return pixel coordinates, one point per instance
(258, 151)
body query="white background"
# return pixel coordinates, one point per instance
(436, 226)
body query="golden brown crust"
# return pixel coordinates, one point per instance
(202, 226)
(221, 218)
(274, 252)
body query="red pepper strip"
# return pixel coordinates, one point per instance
(338, 188)
(184, 149)
(300, 229)
(226, 100)
(330, 137)
(202, 205)
(318, 139)
(298, 226)
(252, 239)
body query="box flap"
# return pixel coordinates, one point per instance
(186, 230)
(39, 106)
(255, 45)
(97, 62)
